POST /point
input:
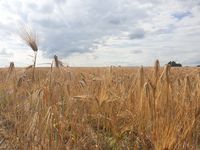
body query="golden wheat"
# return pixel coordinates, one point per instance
(100, 108)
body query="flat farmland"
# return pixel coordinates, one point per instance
(155, 108)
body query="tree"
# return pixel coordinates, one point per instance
(174, 64)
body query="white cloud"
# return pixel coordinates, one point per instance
(112, 32)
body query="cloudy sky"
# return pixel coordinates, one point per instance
(102, 32)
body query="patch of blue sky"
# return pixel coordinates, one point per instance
(181, 15)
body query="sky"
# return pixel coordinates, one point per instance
(102, 32)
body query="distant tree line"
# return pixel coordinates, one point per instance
(174, 64)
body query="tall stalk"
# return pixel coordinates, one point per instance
(30, 38)
(34, 65)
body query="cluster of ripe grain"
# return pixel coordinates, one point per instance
(100, 108)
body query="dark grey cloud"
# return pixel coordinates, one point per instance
(137, 34)
(136, 51)
(115, 21)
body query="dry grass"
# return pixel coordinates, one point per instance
(100, 108)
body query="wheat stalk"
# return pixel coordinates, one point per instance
(30, 38)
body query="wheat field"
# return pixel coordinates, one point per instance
(144, 108)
